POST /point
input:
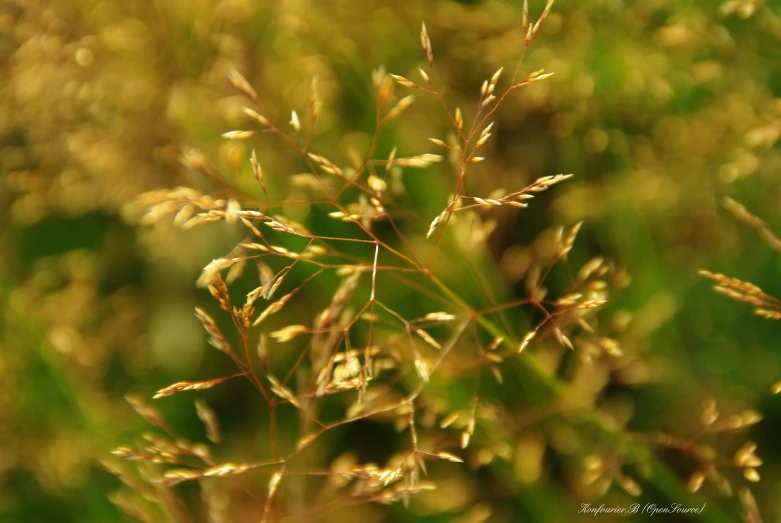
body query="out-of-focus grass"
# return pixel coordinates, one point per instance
(659, 108)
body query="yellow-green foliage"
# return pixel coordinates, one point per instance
(383, 304)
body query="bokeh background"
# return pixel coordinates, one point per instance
(659, 107)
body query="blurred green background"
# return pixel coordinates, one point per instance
(659, 107)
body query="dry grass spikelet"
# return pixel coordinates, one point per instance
(367, 356)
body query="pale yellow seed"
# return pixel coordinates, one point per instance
(238, 135)
(294, 121)
(450, 457)
(695, 481)
(751, 474)
(526, 340)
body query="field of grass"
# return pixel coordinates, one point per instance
(390, 261)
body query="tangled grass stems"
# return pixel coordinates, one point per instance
(349, 349)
